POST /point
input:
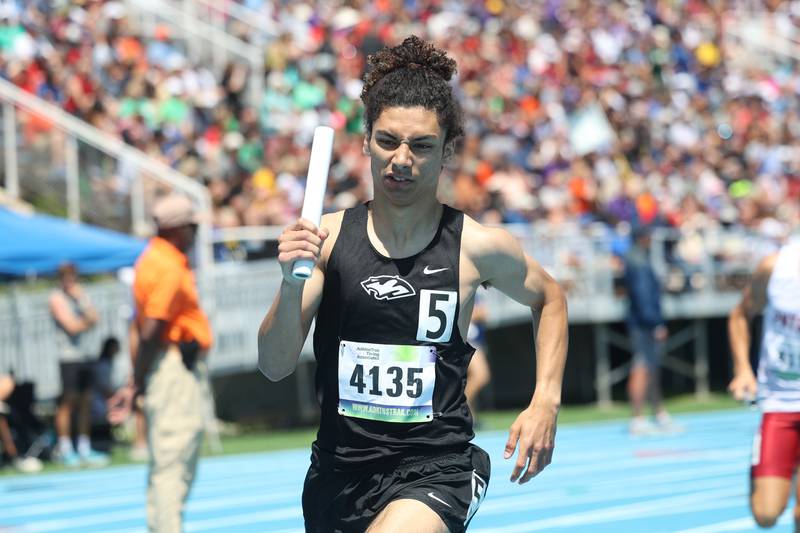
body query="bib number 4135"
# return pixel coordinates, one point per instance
(393, 384)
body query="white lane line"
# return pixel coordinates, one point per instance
(618, 429)
(504, 488)
(209, 490)
(496, 502)
(214, 504)
(646, 454)
(203, 485)
(144, 530)
(247, 518)
(83, 480)
(703, 421)
(578, 450)
(254, 493)
(282, 513)
(554, 501)
(94, 504)
(704, 500)
(210, 486)
(738, 524)
(239, 520)
(629, 464)
(570, 521)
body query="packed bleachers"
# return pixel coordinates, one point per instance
(577, 112)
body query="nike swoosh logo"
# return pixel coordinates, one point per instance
(432, 495)
(429, 270)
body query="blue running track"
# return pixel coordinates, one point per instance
(601, 480)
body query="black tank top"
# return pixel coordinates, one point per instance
(414, 301)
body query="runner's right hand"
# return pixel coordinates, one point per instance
(743, 387)
(301, 240)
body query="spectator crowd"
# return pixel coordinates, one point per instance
(576, 112)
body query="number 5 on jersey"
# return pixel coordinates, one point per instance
(437, 313)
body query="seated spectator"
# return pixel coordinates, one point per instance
(103, 390)
(23, 463)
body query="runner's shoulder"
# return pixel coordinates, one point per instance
(332, 221)
(765, 268)
(767, 264)
(482, 241)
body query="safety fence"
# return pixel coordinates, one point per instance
(586, 263)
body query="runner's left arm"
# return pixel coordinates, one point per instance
(754, 299)
(506, 267)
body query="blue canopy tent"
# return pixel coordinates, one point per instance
(38, 244)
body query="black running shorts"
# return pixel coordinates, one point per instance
(77, 377)
(452, 484)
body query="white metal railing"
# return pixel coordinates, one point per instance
(247, 233)
(236, 301)
(219, 45)
(219, 14)
(27, 333)
(239, 294)
(75, 129)
(702, 284)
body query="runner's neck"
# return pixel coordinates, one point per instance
(402, 232)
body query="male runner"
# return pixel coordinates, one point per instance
(392, 292)
(775, 290)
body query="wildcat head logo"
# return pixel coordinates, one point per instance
(388, 287)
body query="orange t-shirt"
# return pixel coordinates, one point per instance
(165, 289)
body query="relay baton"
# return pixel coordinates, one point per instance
(316, 182)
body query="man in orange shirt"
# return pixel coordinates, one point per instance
(173, 333)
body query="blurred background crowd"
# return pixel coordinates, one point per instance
(576, 112)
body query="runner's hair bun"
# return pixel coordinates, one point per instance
(412, 54)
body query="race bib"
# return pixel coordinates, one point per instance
(386, 382)
(784, 357)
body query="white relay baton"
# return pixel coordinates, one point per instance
(316, 183)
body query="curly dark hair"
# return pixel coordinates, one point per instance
(412, 74)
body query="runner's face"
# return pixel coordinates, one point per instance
(407, 152)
